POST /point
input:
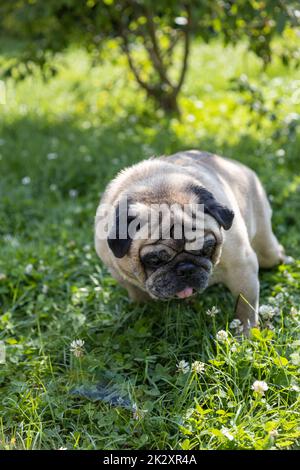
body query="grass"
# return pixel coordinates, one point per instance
(61, 141)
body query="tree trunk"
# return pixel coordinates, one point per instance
(165, 92)
(168, 102)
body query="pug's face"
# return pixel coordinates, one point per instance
(169, 267)
(172, 271)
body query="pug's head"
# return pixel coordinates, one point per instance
(168, 265)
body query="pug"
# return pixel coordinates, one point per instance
(236, 236)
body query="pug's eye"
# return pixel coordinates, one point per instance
(155, 260)
(208, 248)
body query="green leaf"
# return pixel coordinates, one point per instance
(280, 361)
(270, 425)
(185, 445)
(216, 363)
(286, 443)
(216, 432)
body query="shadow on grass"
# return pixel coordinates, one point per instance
(63, 159)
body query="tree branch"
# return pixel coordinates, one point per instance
(154, 50)
(150, 90)
(173, 42)
(117, 21)
(186, 51)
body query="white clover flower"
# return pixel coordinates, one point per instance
(226, 433)
(295, 388)
(189, 412)
(234, 348)
(280, 153)
(42, 267)
(137, 413)
(3, 277)
(269, 326)
(289, 260)
(52, 156)
(212, 312)
(63, 448)
(28, 269)
(288, 276)
(45, 289)
(181, 20)
(222, 336)
(274, 433)
(280, 297)
(294, 312)
(267, 312)
(14, 242)
(260, 387)
(77, 347)
(249, 354)
(53, 187)
(183, 367)
(236, 325)
(80, 295)
(295, 358)
(291, 116)
(73, 193)
(198, 367)
(26, 180)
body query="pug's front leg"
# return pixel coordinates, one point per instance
(243, 282)
(247, 313)
(136, 294)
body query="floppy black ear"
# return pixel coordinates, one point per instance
(118, 239)
(222, 214)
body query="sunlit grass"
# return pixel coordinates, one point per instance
(60, 142)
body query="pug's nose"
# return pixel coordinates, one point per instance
(185, 269)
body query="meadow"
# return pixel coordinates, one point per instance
(156, 376)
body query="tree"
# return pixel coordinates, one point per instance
(155, 28)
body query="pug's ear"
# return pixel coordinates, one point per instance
(222, 214)
(118, 239)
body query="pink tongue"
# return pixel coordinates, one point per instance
(187, 292)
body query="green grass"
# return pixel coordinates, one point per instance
(70, 136)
